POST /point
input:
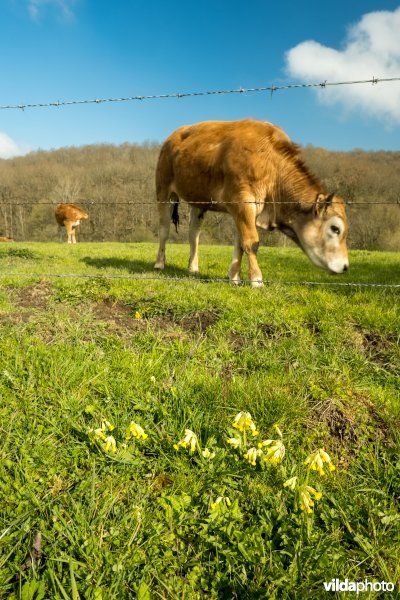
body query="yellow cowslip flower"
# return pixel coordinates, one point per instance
(306, 502)
(264, 443)
(275, 453)
(278, 431)
(222, 502)
(235, 442)
(252, 455)
(98, 434)
(110, 445)
(106, 425)
(291, 483)
(138, 315)
(136, 431)
(207, 454)
(316, 460)
(188, 440)
(244, 421)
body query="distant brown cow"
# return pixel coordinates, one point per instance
(5, 239)
(70, 216)
(251, 170)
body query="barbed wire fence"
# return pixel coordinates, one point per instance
(13, 202)
(271, 89)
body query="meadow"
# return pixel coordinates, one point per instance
(125, 438)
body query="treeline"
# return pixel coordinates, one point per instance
(115, 185)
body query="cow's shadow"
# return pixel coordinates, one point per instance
(134, 266)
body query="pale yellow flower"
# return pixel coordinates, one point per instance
(235, 442)
(189, 440)
(110, 445)
(264, 443)
(207, 454)
(251, 455)
(98, 434)
(244, 421)
(106, 425)
(222, 502)
(316, 460)
(306, 501)
(136, 431)
(275, 453)
(291, 483)
(278, 431)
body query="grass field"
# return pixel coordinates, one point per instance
(100, 378)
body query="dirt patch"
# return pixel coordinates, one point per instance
(314, 328)
(350, 423)
(274, 332)
(377, 346)
(28, 300)
(118, 314)
(238, 340)
(34, 296)
(123, 317)
(16, 318)
(198, 321)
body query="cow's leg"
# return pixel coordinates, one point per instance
(164, 214)
(244, 217)
(234, 269)
(70, 231)
(195, 222)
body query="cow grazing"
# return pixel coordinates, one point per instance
(70, 216)
(251, 170)
(5, 239)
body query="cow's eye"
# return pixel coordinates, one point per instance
(335, 229)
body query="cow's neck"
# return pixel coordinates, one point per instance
(293, 191)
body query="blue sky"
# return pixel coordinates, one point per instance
(57, 50)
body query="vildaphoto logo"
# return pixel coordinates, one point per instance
(336, 585)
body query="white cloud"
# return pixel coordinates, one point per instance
(62, 7)
(9, 148)
(371, 49)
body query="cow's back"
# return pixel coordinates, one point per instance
(69, 212)
(196, 160)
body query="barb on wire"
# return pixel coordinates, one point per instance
(199, 279)
(271, 89)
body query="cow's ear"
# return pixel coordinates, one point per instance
(322, 202)
(329, 199)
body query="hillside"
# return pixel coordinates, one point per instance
(115, 184)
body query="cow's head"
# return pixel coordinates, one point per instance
(322, 233)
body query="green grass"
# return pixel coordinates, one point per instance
(321, 361)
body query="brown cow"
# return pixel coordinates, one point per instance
(251, 170)
(70, 216)
(5, 239)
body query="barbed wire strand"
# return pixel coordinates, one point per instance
(348, 203)
(200, 279)
(272, 89)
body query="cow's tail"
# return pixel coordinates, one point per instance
(175, 212)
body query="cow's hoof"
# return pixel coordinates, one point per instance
(256, 283)
(235, 281)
